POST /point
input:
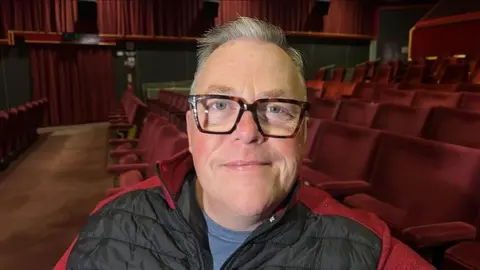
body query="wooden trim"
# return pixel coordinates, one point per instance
(4, 41)
(111, 39)
(472, 16)
(410, 41)
(42, 42)
(11, 38)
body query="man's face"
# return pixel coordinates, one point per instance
(245, 171)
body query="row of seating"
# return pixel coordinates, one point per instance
(127, 116)
(449, 125)
(135, 159)
(171, 105)
(339, 90)
(437, 71)
(414, 98)
(426, 191)
(18, 129)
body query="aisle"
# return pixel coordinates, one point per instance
(46, 198)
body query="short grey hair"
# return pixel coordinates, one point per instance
(245, 27)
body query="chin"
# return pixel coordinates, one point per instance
(247, 202)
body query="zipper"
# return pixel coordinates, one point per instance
(248, 242)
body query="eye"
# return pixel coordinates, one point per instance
(276, 109)
(219, 105)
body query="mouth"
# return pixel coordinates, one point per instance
(242, 165)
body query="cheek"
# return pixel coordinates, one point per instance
(203, 146)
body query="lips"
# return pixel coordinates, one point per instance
(246, 164)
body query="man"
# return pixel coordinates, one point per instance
(233, 200)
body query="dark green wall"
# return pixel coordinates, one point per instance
(318, 53)
(166, 62)
(15, 81)
(394, 27)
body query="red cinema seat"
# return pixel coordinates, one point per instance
(426, 191)
(470, 102)
(400, 97)
(451, 125)
(400, 119)
(356, 113)
(428, 99)
(340, 158)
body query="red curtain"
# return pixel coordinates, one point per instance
(37, 15)
(78, 82)
(273, 11)
(349, 17)
(345, 16)
(148, 17)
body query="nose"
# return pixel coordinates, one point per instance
(247, 130)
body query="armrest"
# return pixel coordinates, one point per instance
(307, 162)
(122, 152)
(439, 234)
(120, 168)
(313, 177)
(117, 141)
(344, 188)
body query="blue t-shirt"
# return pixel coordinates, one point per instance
(223, 242)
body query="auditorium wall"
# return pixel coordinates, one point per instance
(15, 81)
(394, 24)
(165, 62)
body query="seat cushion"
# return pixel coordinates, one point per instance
(465, 255)
(393, 216)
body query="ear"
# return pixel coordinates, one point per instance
(190, 128)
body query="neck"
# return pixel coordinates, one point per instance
(226, 217)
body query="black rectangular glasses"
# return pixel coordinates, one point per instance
(275, 117)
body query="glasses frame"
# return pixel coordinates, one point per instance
(245, 106)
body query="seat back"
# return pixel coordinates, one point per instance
(356, 113)
(428, 99)
(454, 73)
(343, 151)
(312, 129)
(151, 121)
(338, 74)
(451, 125)
(359, 74)
(172, 142)
(400, 119)
(383, 74)
(395, 96)
(432, 181)
(414, 74)
(323, 109)
(364, 92)
(470, 102)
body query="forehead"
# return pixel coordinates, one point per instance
(250, 69)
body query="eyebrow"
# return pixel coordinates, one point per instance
(225, 90)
